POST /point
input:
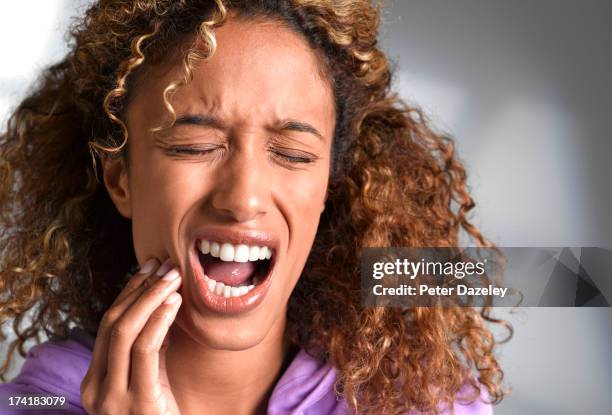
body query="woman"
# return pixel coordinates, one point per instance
(242, 153)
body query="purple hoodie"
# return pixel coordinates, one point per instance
(306, 387)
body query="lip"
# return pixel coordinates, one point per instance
(232, 305)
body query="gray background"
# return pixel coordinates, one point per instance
(524, 87)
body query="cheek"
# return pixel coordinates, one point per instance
(305, 198)
(161, 197)
(307, 193)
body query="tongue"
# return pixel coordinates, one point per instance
(229, 273)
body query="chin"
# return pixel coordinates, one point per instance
(232, 334)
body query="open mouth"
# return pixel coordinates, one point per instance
(231, 270)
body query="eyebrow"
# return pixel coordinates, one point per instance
(302, 127)
(212, 121)
(202, 120)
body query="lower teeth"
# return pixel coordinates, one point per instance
(227, 291)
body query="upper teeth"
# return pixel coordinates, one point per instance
(234, 253)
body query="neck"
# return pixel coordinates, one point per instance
(212, 381)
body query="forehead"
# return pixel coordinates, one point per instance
(260, 70)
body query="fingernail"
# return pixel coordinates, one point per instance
(172, 298)
(165, 267)
(148, 266)
(172, 275)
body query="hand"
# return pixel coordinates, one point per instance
(127, 372)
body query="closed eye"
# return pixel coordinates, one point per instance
(285, 156)
(190, 151)
(293, 157)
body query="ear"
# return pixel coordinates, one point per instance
(116, 181)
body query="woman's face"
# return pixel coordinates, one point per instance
(246, 165)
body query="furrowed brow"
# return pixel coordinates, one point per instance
(203, 120)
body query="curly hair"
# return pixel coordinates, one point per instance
(394, 181)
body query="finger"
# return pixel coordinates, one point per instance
(99, 359)
(133, 281)
(143, 275)
(130, 324)
(147, 282)
(144, 378)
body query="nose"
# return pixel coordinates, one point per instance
(242, 192)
